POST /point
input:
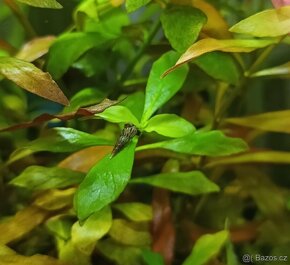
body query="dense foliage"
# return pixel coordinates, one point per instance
(144, 132)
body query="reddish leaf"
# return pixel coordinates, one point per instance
(81, 112)
(31, 78)
(163, 230)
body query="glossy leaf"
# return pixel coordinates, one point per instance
(182, 25)
(170, 125)
(31, 78)
(35, 48)
(130, 103)
(220, 66)
(281, 71)
(213, 143)
(119, 253)
(206, 248)
(21, 224)
(118, 114)
(125, 233)
(159, 91)
(69, 47)
(42, 178)
(135, 211)
(152, 258)
(276, 121)
(104, 182)
(85, 236)
(268, 23)
(192, 183)
(81, 112)
(42, 3)
(59, 140)
(209, 44)
(133, 5)
(264, 156)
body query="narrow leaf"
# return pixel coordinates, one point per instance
(192, 183)
(170, 125)
(31, 78)
(276, 121)
(42, 3)
(133, 5)
(208, 45)
(182, 25)
(42, 178)
(159, 91)
(268, 23)
(206, 248)
(213, 143)
(104, 182)
(281, 71)
(135, 211)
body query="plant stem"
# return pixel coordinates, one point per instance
(128, 71)
(21, 18)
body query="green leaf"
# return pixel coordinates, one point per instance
(213, 143)
(220, 66)
(42, 3)
(124, 232)
(206, 248)
(59, 140)
(152, 258)
(132, 5)
(192, 183)
(85, 236)
(159, 91)
(31, 78)
(209, 45)
(181, 25)
(118, 114)
(104, 182)
(169, 125)
(42, 178)
(69, 47)
(120, 254)
(135, 211)
(268, 23)
(281, 71)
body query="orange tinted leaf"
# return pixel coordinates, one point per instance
(21, 224)
(84, 160)
(276, 121)
(31, 78)
(278, 157)
(35, 48)
(209, 44)
(268, 23)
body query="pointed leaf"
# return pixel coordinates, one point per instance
(118, 114)
(135, 211)
(213, 143)
(104, 182)
(170, 125)
(268, 23)
(95, 227)
(42, 3)
(192, 183)
(282, 71)
(276, 121)
(42, 178)
(182, 25)
(59, 140)
(132, 5)
(31, 78)
(206, 248)
(208, 45)
(159, 91)
(69, 47)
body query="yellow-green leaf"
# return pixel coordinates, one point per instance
(282, 71)
(42, 3)
(209, 44)
(268, 23)
(135, 211)
(276, 121)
